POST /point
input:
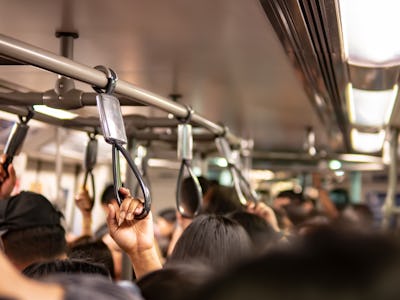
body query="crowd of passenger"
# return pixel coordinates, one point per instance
(292, 248)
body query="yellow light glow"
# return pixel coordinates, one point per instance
(53, 112)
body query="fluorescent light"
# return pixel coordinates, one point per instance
(370, 108)
(367, 142)
(335, 164)
(339, 173)
(54, 112)
(163, 163)
(259, 175)
(220, 162)
(370, 31)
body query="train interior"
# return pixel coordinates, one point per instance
(288, 78)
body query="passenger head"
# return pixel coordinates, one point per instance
(286, 198)
(326, 265)
(90, 286)
(70, 266)
(215, 240)
(31, 229)
(189, 193)
(165, 225)
(166, 220)
(93, 252)
(222, 200)
(107, 196)
(260, 232)
(178, 282)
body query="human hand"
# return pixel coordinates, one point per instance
(265, 212)
(133, 236)
(84, 202)
(7, 183)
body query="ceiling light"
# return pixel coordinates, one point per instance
(366, 141)
(339, 173)
(220, 162)
(259, 175)
(370, 31)
(370, 108)
(54, 112)
(335, 164)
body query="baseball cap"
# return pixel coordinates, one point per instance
(27, 210)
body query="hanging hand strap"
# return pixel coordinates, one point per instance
(116, 136)
(185, 153)
(238, 179)
(16, 139)
(90, 162)
(117, 178)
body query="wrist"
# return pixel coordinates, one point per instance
(145, 261)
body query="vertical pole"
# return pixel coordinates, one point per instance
(392, 179)
(59, 169)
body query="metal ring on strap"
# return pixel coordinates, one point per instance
(111, 80)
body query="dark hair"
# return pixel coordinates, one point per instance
(70, 266)
(204, 183)
(325, 265)
(94, 252)
(216, 240)
(260, 232)
(85, 286)
(222, 200)
(294, 197)
(178, 282)
(189, 194)
(108, 194)
(169, 214)
(25, 246)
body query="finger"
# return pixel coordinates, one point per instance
(2, 173)
(111, 218)
(124, 192)
(132, 209)
(3, 158)
(139, 208)
(250, 207)
(124, 209)
(115, 205)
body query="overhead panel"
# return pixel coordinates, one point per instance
(310, 33)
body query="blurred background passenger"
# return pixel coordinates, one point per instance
(68, 266)
(217, 241)
(93, 252)
(31, 229)
(164, 228)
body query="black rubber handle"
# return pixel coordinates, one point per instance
(199, 193)
(117, 179)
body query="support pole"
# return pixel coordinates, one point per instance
(389, 205)
(44, 59)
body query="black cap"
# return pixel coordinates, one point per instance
(27, 210)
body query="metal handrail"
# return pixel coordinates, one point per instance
(47, 60)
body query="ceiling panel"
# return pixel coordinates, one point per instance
(221, 55)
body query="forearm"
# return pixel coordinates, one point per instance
(327, 205)
(145, 261)
(87, 224)
(10, 278)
